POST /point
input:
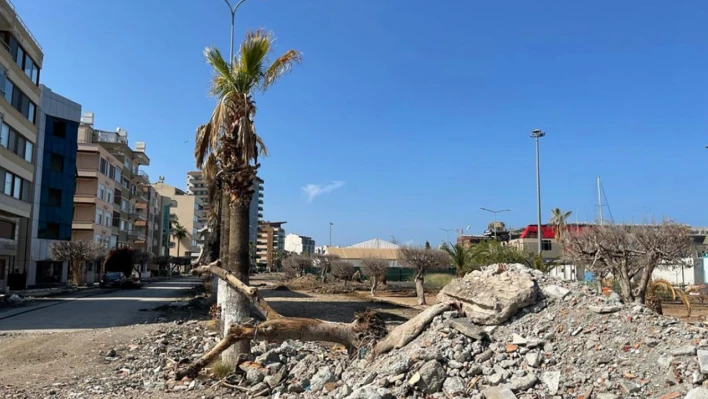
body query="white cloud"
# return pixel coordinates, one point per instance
(313, 190)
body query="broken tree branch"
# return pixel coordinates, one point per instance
(408, 331)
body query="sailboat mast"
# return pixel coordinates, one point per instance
(599, 198)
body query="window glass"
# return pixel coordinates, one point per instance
(20, 149)
(20, 56)
(108, 220)
(54, 197)
(7, 188)
(12, 145)
(56, 163)
(35, 74)
(8, 90)
(29, 151)
(109, 196)
(29, 64)
(4, 135)
(31, 114)
(101, 191)
(99, 216)
(25, 190)
(17, 189)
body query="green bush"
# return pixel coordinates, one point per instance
(438, 280)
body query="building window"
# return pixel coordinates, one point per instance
(20, 101)
(104, 167)
(109, 196)
(20, 56)
(124, 205)
(50, 231)
(101, 191)
(7, 230)
(126, 183)
(108, 219)
(117, 174)
(112, 172)
(122, 224)
(546, 245)
(59, 128)
(15, 142)
(14, 186)
(99, 216)
(56, 163)
(54, 197)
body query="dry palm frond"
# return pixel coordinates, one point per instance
(661, 286)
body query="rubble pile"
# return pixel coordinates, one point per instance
(523, 335)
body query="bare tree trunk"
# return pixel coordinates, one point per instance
(374, 284)
(640, 293)
(625, 284)
(235, 307)
(224, 231)
(408, 331)
(420, 292)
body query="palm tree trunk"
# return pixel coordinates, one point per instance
(235, 307)
(224, 229)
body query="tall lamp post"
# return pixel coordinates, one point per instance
(495, 218)
(233, 16)
(330, 233)
(537, 134)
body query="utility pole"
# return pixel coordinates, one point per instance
(599, 199)
(537, 134)
(448, 234)
(330, 233)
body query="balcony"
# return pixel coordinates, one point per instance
(112, 137)
(87, 172)
(82, 224)
(136, 235)
(141, 177)
(88, 199)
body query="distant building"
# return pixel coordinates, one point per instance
(375, 243)
(54, 186)
(197, 186)
(271, 238)
(299, 244)
(188, 211)
(355, 255)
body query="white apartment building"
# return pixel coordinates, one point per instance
(299, 244)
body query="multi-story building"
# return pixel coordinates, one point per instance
(131, 190)
(197, 186)
(271, 238)
(299, 244)
(54, 186)
(187, 212)
(20, 63)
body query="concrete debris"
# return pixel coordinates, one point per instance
(563, 350)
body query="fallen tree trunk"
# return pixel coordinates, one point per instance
(408, 331)
(366, 329)
(251, 292)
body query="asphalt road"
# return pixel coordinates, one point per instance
(108, 308)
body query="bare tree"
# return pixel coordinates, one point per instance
(295, 266)
(324, 263)
(375, 269)
(629, 253)
(77, 253)
(342, 270)
(422, 261)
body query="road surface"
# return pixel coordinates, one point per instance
(108, 308)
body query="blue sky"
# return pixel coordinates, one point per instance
(410, 115)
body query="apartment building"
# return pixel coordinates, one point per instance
(186, 210)
(271, 238)
(299, 244)
(54, 186)
(197, 186)
(20, 64)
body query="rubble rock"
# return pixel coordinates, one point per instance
(492, 296)
(432, 376)
(697, 393)
(498, 393)
(551, 379)
(556, 291)
(604, 309)
(703, 361)
(453, 386)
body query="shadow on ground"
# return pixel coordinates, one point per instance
(110, 308)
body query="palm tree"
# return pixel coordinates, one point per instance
(460, 256)
(179, 233)
(228, 143)
(559, 220)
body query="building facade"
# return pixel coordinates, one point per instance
(54, 186)
(187, 211)
(197, 186)
(301, 245)
(21, 60)
(271, 239)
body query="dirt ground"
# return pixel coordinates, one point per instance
(699, 312)
(43, 359)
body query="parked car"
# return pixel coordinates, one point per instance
(133, 282)
(112, 280)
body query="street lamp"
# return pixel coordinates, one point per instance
(537, 134)
(330, 233)
(448, 234)
(495, 218)
(233, 16)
